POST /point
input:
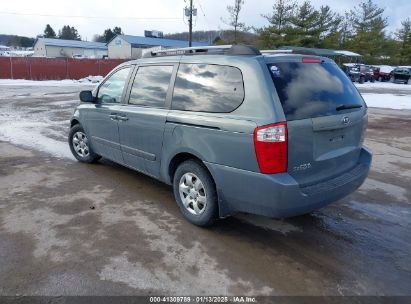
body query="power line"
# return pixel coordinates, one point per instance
(91, 17)
(201, 8)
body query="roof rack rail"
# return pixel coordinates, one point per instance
(238, 49)
(287, 51)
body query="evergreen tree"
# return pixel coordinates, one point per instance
(117, 31)
(108, 35)
(99, 38)
(404, 37)
(49, 32)
(328, 28)
(69, 33)
(304, 30)
(369, 24)
(273, 35)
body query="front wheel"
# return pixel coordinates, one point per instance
(195, 193)
(80, 145)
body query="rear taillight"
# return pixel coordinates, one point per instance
(271, 148)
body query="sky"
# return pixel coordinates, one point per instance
(90, 17)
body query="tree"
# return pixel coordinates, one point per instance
(404, 37)
(273, 35)
(117, 31)
(369, 35)
(108, 34)
(304, 30)
(69, 33)
(283, 11)
(234, 18)
(99, 38)
(49, 32)
(300, 25)
(20, 41)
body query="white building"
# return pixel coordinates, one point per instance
(48, 47)
(131, 47)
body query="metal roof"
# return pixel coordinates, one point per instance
(72, 43)
(321, 52)
(139, 41)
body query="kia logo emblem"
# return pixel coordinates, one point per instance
(345, 120)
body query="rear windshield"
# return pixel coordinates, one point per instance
(308, 90)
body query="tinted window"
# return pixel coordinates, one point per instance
(112, 89)
(150, 85)
(308, 90)
(208, 88)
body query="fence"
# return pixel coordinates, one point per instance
(34, 68)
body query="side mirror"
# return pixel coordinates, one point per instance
(86, 96)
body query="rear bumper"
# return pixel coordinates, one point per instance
(279, 195)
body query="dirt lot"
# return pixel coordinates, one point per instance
(74, 229)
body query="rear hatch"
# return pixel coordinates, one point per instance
(326, 117)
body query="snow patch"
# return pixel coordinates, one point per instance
(383, 85)
(389, 101)
(46, 83)
(31, 134)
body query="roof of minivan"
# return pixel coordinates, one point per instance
(222, 57)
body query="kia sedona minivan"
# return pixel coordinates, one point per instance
(231, 129)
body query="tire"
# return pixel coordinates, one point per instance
(195, 193)
(372, 79)
(80, 146)
(362, 80)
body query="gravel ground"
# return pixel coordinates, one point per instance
(73, 229)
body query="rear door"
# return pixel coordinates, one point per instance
(142, 120)
(325, 114)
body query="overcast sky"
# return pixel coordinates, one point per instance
(135, 16)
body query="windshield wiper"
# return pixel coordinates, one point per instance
(348, 106)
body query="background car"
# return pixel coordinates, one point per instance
(401, 75)
(358, 72)
(382, 73)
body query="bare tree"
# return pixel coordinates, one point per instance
(234, 19)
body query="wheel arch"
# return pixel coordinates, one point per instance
(74, 122)
(178, 159)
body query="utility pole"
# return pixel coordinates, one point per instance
(189, 13)
(190, 25)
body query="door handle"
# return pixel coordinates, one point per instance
(113, 117)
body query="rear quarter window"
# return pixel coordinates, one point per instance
(208, 88)
(308, 90)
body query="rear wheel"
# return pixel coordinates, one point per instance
(195, 193)
(80, 145)
(362, 79)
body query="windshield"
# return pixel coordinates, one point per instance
(308, 90)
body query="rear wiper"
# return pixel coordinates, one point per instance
(348, 106)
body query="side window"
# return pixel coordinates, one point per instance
(112, 89)
(208, 88)
(150, 86)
